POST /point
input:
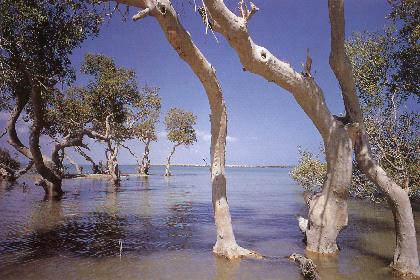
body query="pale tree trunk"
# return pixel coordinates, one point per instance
(406, 258)
(51, 182)
(112, 163)
(182, 43)
(168, 161)
(328, 213)
(328, 209)
(145, 162)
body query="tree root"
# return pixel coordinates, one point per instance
(409, 272)
(235, 252)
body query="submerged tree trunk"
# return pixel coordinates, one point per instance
(182, 43)
(112, 163)
(328, 209)
(328, 213)
(168, 161)
(406, 258)
(51, 182)
(145, 162)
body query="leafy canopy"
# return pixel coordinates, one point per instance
(180, 126)
(38, 36)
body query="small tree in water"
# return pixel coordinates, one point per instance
(149, 111)
(180, 128)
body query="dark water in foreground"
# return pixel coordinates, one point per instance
(166, 230)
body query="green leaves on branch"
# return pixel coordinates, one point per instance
(180, 126)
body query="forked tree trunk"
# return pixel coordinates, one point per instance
(182, 43)
(51, 182)
(145, 162)
(324, 223)
(258, 60)
(406, 258)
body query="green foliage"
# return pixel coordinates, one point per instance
(148, 112)
(406, 15)
(310, 172)
(38, 36)
(180, 126)
(386, 71)
(7, 160)
(111, 93)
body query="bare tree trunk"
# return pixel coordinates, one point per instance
(406, 258)
(112, 163)
(145, 162)
(328, 209)
(168, 161)
(51, 182)
(328, 213)
(182, 43)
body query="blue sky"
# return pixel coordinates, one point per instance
(265, 124)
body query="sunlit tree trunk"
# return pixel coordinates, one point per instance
(145, 162)
(182, 43)
(112, 162)
(328, 213)
(406, 258)
(168, 161)
(328, 209)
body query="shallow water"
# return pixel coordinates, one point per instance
(160, 228)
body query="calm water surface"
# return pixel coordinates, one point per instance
(160, 228)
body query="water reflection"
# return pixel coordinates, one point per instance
(167, 230)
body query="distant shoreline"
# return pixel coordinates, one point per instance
(227, 165)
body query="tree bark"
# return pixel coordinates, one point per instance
(168, 161)
(328, 213)
(328, 209)
(51, 182)
(21, 101)
(406, 258)
(182, 43)
(112, 163)
(145, 162)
